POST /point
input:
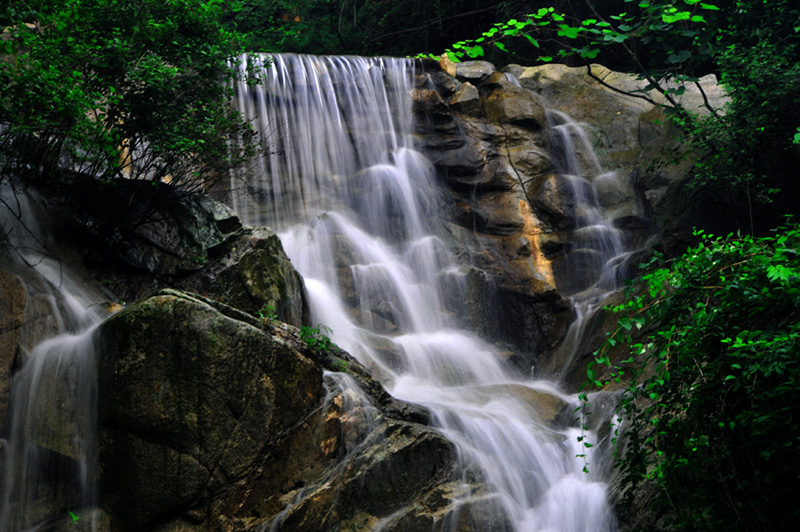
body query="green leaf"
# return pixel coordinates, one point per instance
(679, 57)
(677, 16)
(568, 31)
(501, 46)
(531, 39)
(590, 53)
(475, 51)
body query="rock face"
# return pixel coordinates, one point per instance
(12, 309)
(522, 222)
(630, 133)
(194, 243)
(215, 420)
(485, 137)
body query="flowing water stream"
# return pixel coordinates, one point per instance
(358, 211)
(49, 450)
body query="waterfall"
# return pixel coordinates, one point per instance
(49, 445)
(359, 213)
(597, 258)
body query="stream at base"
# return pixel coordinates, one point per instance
(358, 211)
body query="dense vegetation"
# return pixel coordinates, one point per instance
(713, 382)
(87, 82)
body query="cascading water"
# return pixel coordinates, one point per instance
(596, 260)
(49, 448)
(357, 210)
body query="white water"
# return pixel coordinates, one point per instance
(357, 210)
(596, 245)
(49, 453)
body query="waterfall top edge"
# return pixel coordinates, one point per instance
(410, 60)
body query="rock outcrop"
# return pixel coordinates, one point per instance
(520, 222)
(633, 133)
(216, 420)
(191, 242)
(485, 137)
(12, 310)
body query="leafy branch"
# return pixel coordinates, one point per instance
(711, 341)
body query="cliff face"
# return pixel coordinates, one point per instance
(518, 214)
(214, 414)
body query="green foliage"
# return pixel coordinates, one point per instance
(749, 146)
(710, 412)
(317, 337)
(267, 313)
(87, 82)
(675, 34)
(340, 365)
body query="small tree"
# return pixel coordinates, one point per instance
(118, 88)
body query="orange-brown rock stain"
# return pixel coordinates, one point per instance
(531, 232)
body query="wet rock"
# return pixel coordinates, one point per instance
(12, 310)
(197, 395)
(467, 100)
(217, 420)
(545, 405)
(512, 105)
(474, 71)
(465, 510)
(254, 276)
(529, 161)
(553, 199)
(178, 237)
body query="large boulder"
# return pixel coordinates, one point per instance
(197, 396)
(254, 275)
(216, 420)
(505, 103)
